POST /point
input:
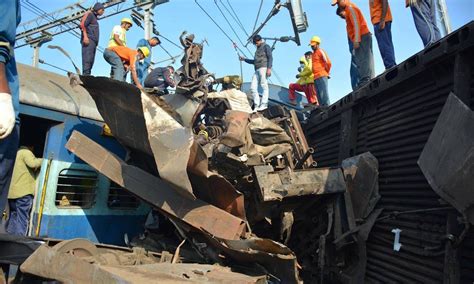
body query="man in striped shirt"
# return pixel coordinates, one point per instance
(361, 38)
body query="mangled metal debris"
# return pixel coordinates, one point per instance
(447, 160)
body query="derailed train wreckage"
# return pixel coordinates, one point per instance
(229, 181)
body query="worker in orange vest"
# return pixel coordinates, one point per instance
(321, 70)
(381, 18)
(361, 37)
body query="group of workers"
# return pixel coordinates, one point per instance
(121, 57)
(360, 46)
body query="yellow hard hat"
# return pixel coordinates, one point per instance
(145, 51)
(127, 20)
(314, 40)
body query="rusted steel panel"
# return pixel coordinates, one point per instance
(447, 160)
(155, 191)
(276, 185)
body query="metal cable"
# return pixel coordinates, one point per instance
(234, 15)
(218, 26)
(258, 15)
(231, 27)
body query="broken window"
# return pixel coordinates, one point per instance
(76, 188)
(119, 198)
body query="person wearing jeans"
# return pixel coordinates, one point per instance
(118, 71)
(381, 18)
(359, 34)
(424, 15)
(262, 62)
(10, 17)
(321, 65)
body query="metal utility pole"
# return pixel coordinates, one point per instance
(36, 45)
(444, 17)
(148, 20)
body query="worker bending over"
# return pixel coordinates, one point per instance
(305, 81)
(361, 38)
(143, 65)
(262, 62)
(160, 79)
(90, 36)
(321, 65)
(22, 189)
(381, 18)
(123, 58)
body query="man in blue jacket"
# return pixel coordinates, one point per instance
(143, 65)
(10, 17)
(262, 62)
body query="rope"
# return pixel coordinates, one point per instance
(235, 17)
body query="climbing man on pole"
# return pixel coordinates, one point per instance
(90, 36)
(262, 62)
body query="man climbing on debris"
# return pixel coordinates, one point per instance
(321, 65)
(10, 17)
(381, 18)
(424, 15)
(122, 58)
(118, 37)
(262, 62)
(90, 36)
(305, 81)
(160, 79)
(22, 189)
(361, 38)
(143, 65)
(354, 73)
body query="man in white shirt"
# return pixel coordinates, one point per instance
(118, 36)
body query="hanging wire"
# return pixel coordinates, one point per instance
(258, 15)
(231, 27)
(234, 15)
(228, 37)
(170, 41)
(173, 58)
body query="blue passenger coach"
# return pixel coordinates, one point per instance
(72, 200)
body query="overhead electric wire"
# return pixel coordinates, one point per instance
(228, 37)
(258, 15)
(230, 25)
(234, 15)
(170, 41)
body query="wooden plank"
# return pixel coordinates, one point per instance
(155, 191)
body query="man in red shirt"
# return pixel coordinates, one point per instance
(381, 17)
(361, 37)
(122, 57)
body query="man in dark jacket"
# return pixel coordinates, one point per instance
(160, 79)
(263, 68)
(90, 36)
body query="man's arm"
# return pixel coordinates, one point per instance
(384, 14)
(169, 78)
(31, 161)
(133, 71)
(353, 19)
(117, 32)
(268, 52)
(85, 22)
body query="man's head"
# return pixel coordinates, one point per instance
(126, 23)
(154, 41)
(98, 9)
(257, 40)
(143, 52)
(315, 42)
(341, 12)
(308, 55)
(340, 3)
